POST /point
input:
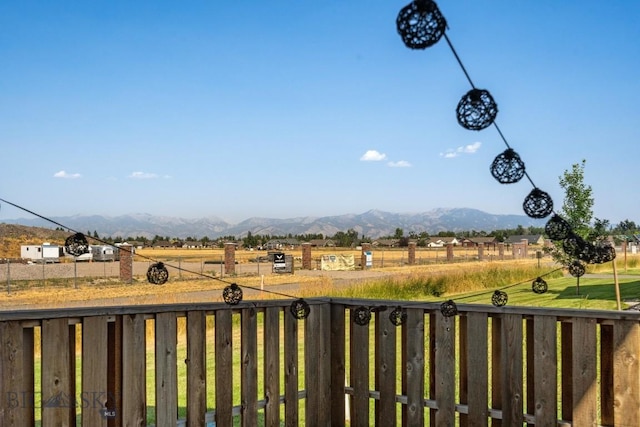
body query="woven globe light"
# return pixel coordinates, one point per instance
(539, 286)
(507, 167)
(604, 253)
(157, 274)
(499, 298)
(420, 24)
(300, 309)
(361, 315)
(576, 247)
(557, 228)
(232, 294)
(398, 316)
(600, 253)
(476, 110)
(537, 204)
(76, 244)
(576, 269)
(449, 308)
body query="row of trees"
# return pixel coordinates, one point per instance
(346, 238)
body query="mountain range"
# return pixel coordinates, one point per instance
(372, 223)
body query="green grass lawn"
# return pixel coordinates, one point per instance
(593, 293)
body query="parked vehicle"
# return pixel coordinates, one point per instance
(44, 253)
(105, 252)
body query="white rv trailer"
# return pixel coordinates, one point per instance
(45, 252)
(87, 256)
(104, 252)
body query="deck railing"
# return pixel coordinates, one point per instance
(256, 363)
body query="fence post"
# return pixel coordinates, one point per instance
(306, 256)
(126, 263)
(449, 252)
(412, 253)
(229, 258)
(525, 248)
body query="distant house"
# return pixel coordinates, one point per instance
(485, 241)
(163, 244)
(281, 244)
(533, 239)
(388, 243)
(439, 242)
(322, 243)
(135, 243)
(192, 244)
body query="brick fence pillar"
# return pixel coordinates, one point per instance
(366, 247)
(230, 258)
(126, 263)
(525, 248)
(449, 252)
(306, 256)
(412, 253)
(518, 250)
(480, 252)
(501, 251)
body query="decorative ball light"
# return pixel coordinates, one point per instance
(557, 228)
(420, 24)
(507, 167)
(575, 246)
(398, 316)
(157, 274)
(605, 253)
(232, 294)
(499, 298)
(476, 110)
(449, 308)
(539, 286)
(361, 315)
(537, 204)
(576, 269)
(76, 244)
(300, 309)
(589, 253)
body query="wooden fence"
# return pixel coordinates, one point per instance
(493, 366)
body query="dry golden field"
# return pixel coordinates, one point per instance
(392, 255)
(202, 281)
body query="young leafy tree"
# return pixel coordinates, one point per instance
(577, 210)
(577, 207)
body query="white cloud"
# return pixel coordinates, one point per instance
(471, 148)
(399, 164)
(64, 174)
(464, 149)
(143, 175)
(373, 156)
(449, 154)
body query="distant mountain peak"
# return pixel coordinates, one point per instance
(372, 223)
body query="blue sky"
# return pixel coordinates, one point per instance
(292, 108)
